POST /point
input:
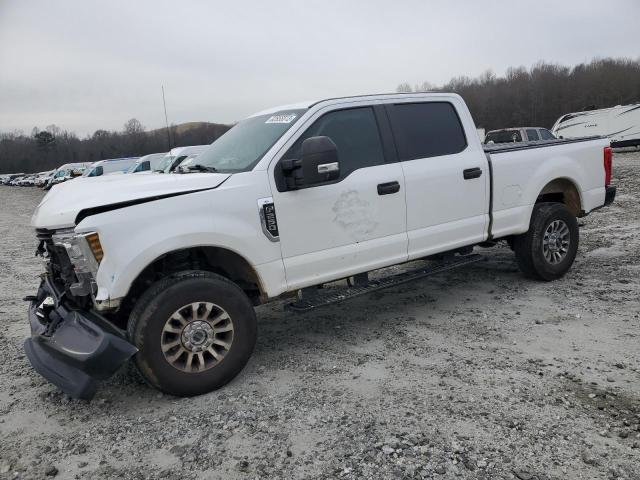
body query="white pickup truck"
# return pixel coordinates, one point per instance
(167, 268)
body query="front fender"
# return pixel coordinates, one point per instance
(135, 236)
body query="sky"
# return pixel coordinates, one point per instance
(90, 64)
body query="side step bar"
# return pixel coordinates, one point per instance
(334, 295)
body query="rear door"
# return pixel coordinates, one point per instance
(353, 224)
(446, 176)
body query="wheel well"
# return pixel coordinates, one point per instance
(563, 191)
(211, 259)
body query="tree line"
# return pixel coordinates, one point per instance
(51, 147)
(540, 95)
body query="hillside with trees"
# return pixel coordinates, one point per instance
(49, 148)
(539, 95)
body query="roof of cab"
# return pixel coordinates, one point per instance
(379, 96)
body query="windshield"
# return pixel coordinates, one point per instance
(190, 160)
(239, 149)
(134, 167)
(164, 164)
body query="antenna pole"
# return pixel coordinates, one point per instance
(166, 119)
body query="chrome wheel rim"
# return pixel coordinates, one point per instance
(197, 337)
(556, 241)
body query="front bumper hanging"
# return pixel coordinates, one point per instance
(73, 349)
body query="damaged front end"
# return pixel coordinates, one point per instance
(70, 345)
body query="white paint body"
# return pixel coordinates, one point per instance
(326, 232)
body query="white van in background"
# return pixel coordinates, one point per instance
(621, 124)
(148, 163)
(113, 165)
(176, 156)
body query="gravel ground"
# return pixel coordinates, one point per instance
(476, 373)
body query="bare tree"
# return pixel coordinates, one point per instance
(539, 95)
(133, 127)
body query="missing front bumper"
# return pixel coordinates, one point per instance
(73, 349)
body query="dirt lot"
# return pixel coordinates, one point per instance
(476, 373)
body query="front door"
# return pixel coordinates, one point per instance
(355, 224)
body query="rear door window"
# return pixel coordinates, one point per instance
(428, 129)
(532, 134)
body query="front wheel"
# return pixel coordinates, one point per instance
(547, 250)
(194, 331)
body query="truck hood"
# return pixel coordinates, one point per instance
(60, 207)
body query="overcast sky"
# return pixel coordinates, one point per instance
(85, 64)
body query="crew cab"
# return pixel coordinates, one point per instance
(166, 269)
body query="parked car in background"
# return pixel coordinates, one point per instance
(112, 165)
(168, 268)
(43, 177)
(518, 134)
(66, 172)
(177, 155)
(148, 163)
(25, 181)
(12, 177)
(620, 124)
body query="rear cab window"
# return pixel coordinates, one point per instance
(532, 134)
(428, 129)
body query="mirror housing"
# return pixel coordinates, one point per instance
(318, 164)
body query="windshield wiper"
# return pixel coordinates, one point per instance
(200, 168)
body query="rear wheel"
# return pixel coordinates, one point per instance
(547, 250)
(195, 331)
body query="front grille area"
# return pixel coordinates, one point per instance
(44, 234)
(59, 267)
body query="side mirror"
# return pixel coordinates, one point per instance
(318, 164)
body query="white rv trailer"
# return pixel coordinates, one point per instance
(621, 124)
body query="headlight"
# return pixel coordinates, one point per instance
(84, 250)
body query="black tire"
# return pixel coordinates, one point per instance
(528, 247)
(158, 304)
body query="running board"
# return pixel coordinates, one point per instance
(339, 294)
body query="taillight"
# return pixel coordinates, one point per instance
(608, 165)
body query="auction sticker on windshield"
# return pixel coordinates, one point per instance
(282, 118)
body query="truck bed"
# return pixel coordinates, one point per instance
(514, 146)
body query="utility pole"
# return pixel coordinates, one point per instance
(166, 119)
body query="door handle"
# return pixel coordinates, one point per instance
(470, 173)
(388, 188)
